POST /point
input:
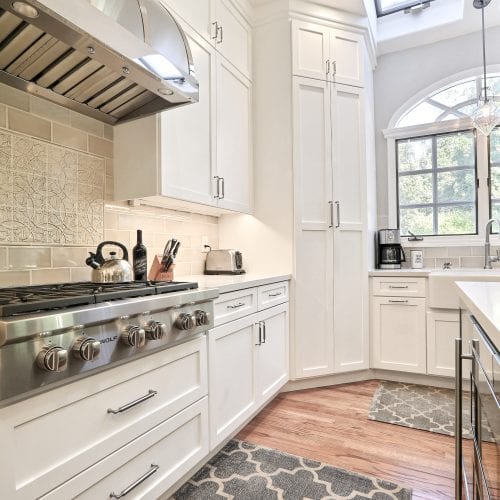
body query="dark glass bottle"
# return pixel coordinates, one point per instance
(140, 259)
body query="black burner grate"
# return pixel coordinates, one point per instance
(28, 299)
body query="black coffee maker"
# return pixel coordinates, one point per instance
(389, 252)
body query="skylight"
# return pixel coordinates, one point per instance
(385, 7)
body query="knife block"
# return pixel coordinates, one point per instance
(156, 273)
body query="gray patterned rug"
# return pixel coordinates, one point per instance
(420, 407)
(245, 471)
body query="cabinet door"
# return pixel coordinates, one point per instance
(399, 334)
(443, 327)
(350, 318)
(231, 376)
(271, 357)
(234, 155)
(310, 47)
(346, 51)
(197, 13)
(187, 135)
(233, 40)
(313, 322)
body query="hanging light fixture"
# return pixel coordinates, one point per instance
(487, 114)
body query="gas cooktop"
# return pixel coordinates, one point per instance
(29, 299)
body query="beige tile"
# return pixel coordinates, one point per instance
(475, 262)
(3, 258)
(3, 116)
(108, 132)
(101, 147)
(430, 263)
(109, 190)
(6, 224)
(46, 276)
(80, 273)
(124, 237)
(5, 151)
(477, 251)
(62, 228)
(29, 155)
(29, 124)
(459, 251)
(69, 256)
(109, 167)
(15, 278)
(49, 110)
(435, 252)
(91, 170)
(198, 267)
(70, 137)
(14, 97)
(28, 257)
(454, 261)
(87, 124)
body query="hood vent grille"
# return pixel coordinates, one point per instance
(34, 60)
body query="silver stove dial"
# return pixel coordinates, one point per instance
(201, 317)
(52, 358)
(155, 330)
(133, 336)
(185, 321)
(86, 348)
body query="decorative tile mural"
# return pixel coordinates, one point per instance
(49, 194)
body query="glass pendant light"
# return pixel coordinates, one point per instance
(487, 114)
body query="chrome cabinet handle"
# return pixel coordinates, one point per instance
(334, 68)
(275, 294)
(216, 25)
(149, 395)
(397, 286)
(236, 306)
(264, 331)
(223, 188)
(337, 204)
(328, 66)
(221, 31)
(216, 177)
(128, 489)
(331, 214)
(260, 333)
(398, 301)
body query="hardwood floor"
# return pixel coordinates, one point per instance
(331, 425)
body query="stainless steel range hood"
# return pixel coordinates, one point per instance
(114, 60)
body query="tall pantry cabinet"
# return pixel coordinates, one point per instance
(329, 76)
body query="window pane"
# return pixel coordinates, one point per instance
(495, 146)
(415, 189)
(422, 113)
(417, 220)
(458, 185)
(414, 154)
(457, 94)
(457, 220)
(495, 183)
(495, 213)
(455, 150)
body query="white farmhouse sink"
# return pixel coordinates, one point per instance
(443, 293)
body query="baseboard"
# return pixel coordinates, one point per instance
(415, 378)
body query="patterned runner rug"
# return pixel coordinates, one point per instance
(420, 407)
(245, 471)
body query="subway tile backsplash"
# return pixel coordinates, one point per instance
(56, 192)
(457, 257)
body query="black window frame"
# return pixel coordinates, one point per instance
(490, 199)
(408, 5)
(434, 170)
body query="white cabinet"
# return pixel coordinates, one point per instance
(197, 13)
(248, 366)
(331, 315)
(399, 338)
(199, 153)
(326, 53)
(443, 327)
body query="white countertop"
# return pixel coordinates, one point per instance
(230, 283)
(483, 301)
(402, 272)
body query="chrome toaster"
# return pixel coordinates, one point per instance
(224, 262)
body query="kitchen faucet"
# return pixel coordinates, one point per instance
(488, 259)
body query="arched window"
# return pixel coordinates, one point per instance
(446, 178)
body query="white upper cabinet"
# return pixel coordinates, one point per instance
(326, 53)
(220, 23)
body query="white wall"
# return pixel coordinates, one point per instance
(401, 75)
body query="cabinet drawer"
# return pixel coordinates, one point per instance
(271, 295)
(160, 458)
(399, 287)
(176, 378)
(234, 305)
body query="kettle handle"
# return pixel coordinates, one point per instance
(98, 253)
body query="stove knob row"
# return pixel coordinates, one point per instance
(185, 321)
(86, 348)
(52, 358)
(155, 330)
(201, 317)
(133, 336)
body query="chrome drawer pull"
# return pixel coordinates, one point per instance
(136, 483)
(149, 395)
(398, 301)
(275, 294)
(398, 286)
(236, 306)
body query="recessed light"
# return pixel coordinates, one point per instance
(25, 9)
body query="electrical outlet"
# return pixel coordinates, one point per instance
(204, 241)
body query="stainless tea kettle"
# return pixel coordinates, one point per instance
(110, 270)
